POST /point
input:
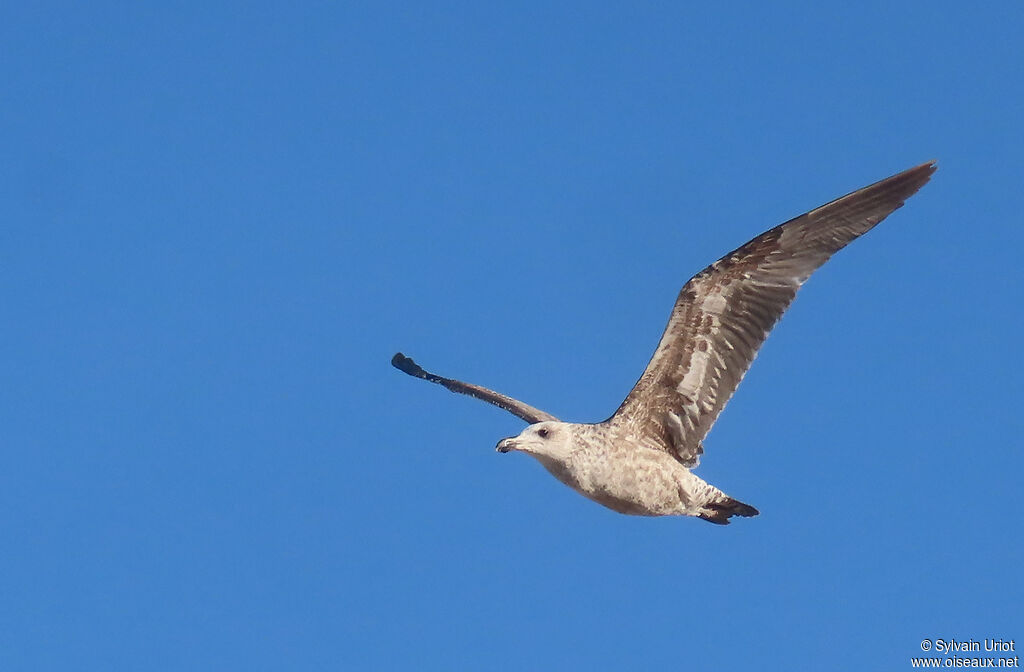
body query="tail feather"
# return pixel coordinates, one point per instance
(719, 511)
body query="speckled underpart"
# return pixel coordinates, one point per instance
(615, 470)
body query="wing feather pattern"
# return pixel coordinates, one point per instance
(724, 313)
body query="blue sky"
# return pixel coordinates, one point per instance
(219, 221)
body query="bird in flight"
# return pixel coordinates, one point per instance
(640, 460)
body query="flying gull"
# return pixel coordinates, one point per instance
(639, 460)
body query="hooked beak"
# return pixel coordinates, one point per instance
(506, 445)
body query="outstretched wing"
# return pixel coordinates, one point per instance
(724, 313)
(513, 406)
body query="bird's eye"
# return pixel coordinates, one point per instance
(543, 432)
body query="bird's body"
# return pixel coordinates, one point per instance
(639, 461)
(612, 466)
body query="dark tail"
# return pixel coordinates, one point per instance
(720, 511)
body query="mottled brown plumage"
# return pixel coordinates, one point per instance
(725, 312)
(639, 460)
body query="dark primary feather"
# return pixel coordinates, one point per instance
(724, 313)
(514, 406)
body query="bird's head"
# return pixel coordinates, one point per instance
(544, 440)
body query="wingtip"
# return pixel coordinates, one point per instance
(905, 183)
(405, 364)
(926, 169)
(919, 176)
